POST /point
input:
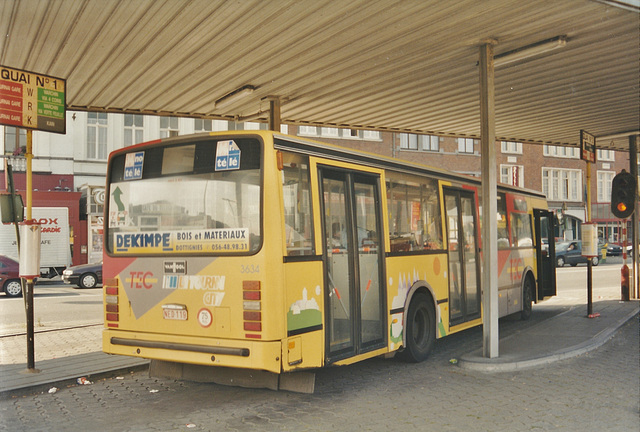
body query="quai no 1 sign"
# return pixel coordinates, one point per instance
(32, 101)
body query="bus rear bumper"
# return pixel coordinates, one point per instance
(300, 382)
(264, 355)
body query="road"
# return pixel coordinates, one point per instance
(596, 391)
(56, 306)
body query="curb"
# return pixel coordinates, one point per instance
(482, 364)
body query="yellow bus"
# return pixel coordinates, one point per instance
(257, 251)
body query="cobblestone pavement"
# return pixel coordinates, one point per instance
(596, 391)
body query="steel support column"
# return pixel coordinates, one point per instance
(274, 113)
(489, 204)
(634, 287)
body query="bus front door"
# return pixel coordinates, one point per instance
(354, 299)
(464, 258)
(545, 253)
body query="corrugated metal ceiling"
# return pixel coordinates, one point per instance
(389, 65)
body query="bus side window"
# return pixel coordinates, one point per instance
(521, 234)
(503, 231)
(414, 213)
(297, 204)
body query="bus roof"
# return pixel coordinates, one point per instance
(345, 154)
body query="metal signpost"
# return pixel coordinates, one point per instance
(34, 102)
(588, 154)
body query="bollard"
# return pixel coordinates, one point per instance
(624, 283)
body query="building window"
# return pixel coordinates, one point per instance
(430, 143)
(511, 147)
(255, 126)
(562, 184)
(512, 175)
(465, 145)
(97, 135)
(606, 155)
(563, 152)
(408, 141)
(308, 130)
(15, 140)
(202, 125)
(604, 185)
(133, 129)
(168, 127)
(234, 125)
(351, 133)
(330, 132)
(371, 135)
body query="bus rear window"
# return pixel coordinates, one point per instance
(200, 197)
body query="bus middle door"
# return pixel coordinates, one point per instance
(545, 253)
(464, 258)
(352, 233)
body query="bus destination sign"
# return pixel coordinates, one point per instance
(32, 101)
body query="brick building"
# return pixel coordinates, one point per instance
(76, 162)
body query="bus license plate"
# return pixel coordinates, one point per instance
(174, 314)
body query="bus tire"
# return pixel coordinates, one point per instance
(527, 298)
(420, 328)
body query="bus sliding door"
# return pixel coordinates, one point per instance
(464, 258)
(353, 262)
(545, 253)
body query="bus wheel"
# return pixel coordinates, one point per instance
(527, 298)
(421, 329)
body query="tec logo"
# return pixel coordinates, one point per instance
(139, 280)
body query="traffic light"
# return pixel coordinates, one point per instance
(623, 195)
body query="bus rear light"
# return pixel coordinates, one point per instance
(252, 316)
(251, 305)
(252, 326)
(251, 285)
(251, 295)
(253, 336)
(111, 302)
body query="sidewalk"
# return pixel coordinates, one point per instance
(563, 336)
(62, 356)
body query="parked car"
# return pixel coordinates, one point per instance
(570, 252)
(83, 275)
(614, 249)
(10, 276)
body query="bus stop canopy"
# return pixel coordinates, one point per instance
(404, 66)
